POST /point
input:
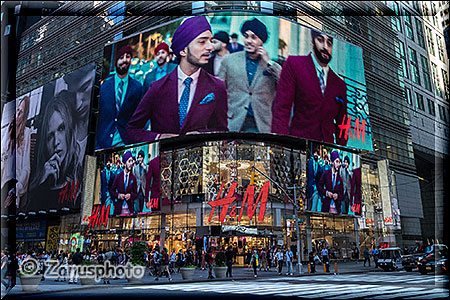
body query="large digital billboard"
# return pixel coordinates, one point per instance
(238, 73)
(130, 181)
(333, 181)
(51, 137)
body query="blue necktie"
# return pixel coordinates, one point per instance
(126, 182)
(334, 180)
(119, 97)
(184, 101)
(322, 81)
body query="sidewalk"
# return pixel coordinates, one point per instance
(239, 273)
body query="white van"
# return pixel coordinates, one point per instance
(390, 259)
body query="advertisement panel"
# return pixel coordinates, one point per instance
(8, 155)
(333, 181)
(55, 137)
(244, 73)
(129, 182)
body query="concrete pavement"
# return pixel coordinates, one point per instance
(239, 273)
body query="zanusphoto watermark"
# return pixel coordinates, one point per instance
(54, 269)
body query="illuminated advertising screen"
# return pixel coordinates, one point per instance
(333, 181)
(52, 130)
(233, 73)
(129, 181)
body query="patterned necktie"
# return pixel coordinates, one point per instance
(334, 180)
(322, 81)
(126, 182)
(119, 96)
(184, 101)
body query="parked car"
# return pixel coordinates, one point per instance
(435, 260)
(390, 259)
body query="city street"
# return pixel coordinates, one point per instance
(367, 285)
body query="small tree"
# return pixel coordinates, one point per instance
(136, 253)
(220, 259)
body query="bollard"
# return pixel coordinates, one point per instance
(309, 269)
(335, 268)
(324, 267)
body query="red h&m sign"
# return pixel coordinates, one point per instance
(359, 132)
(249, 198)
(98, 217)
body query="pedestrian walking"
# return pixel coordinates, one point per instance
(76, 260)
(165, 263)
(263, 260)
(325, 258)
(172, 261)
(289, 257)
(4, 263)
(210, 261)
(279, 259)
(11, 270)
(366, 257)
(254, 261)
(157, 259)
(203, 260)
(229, 261)
(63, 270)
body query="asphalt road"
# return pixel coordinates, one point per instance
(381, 285)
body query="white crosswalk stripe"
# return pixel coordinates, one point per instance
(333, 288)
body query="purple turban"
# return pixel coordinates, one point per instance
(188, 31)
(334, 155)
(126, 157)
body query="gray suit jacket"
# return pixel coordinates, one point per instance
(141, 179)
(260, 94)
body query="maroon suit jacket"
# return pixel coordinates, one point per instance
(326, 184)
(160, 106)
(153, 186)
(119, 187)
(316, 116)
(355, 192)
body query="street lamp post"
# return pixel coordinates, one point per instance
(294, 202)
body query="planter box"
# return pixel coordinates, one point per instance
(30, 283)
(220, 272)
(187, 273)
(87, 280)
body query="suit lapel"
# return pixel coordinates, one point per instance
(170, 96)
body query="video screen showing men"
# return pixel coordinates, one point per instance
(251, 78)
(163, 66)
(311, 100)
(188, 100)
(134, 171)
(333, 181)
(119, 96)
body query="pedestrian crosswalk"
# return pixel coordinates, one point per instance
(332, 289)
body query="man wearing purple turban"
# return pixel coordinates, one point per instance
(188, 100)
(331, 186)
(124, 188)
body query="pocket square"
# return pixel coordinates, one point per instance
(210, 97)
(339, 100)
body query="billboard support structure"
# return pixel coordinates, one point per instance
(295, 204)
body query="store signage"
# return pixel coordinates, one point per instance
(98, 217)
(239, 228)
(248, 197)
(69, 192)
(359, 132)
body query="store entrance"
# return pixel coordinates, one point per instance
(241, 245)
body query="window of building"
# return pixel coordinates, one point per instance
(420, 37)
(408, 96)
(400, 52)
(396, 24)
(446, 83)
(426, 73)
(435, 75)
(431, 108)
(442, 113)
(440, 48)
(430, 41)
(408, 25)
(419, 102)
(414, 65)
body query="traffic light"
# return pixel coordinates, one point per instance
(253, 177)
(300, 204)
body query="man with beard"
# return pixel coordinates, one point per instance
(220, 42)
(124, 188)
(163, 66)
(251, 78)
(346, 176)
(314, 173)
(119, 96)
(140, 171)
(107, 178)
(330, 186)
(313, 92)
(188, 100)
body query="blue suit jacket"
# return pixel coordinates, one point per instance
(105, 185)
(109, 118)
(312, 179)
(151, 76)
